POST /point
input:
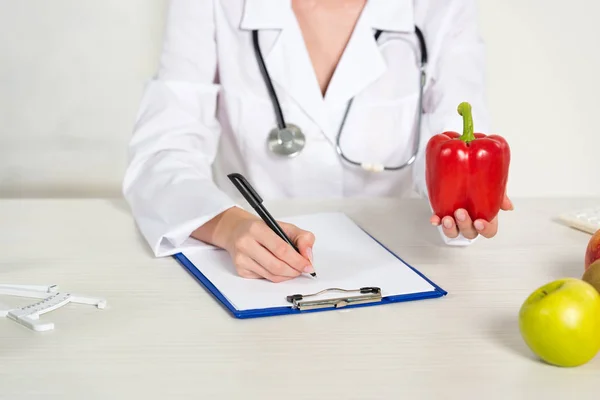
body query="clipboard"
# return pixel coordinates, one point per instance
(299, 302)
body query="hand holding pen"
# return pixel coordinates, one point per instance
(260, 247)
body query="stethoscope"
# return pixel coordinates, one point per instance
(289, 140)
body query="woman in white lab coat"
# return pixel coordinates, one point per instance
(208, 112)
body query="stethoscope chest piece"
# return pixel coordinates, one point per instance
(288, 141)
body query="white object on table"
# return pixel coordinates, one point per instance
(51, 300)
(586, 219)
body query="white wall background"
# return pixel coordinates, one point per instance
(72, 72)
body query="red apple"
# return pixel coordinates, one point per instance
(592, 253)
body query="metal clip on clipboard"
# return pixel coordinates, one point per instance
(368, 295)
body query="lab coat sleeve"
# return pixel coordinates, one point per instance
(168, 183)
(456, 73)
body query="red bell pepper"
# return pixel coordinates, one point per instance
(468, 171)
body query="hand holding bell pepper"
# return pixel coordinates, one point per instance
(468, 171)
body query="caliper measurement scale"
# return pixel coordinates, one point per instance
(51, 300)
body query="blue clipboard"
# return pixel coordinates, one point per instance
(277, 311)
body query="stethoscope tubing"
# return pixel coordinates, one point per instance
(268, 81)
(366, 166)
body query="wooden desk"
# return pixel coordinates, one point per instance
(164, 337)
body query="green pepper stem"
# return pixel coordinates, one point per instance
(464, 109)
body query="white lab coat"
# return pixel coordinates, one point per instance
(207, 112)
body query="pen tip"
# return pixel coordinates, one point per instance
(313, 274)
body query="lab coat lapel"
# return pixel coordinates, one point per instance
(286, 57)
(362, 63)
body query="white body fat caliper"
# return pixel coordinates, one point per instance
(51, 300)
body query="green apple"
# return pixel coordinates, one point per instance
(560, 322)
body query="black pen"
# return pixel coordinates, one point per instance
(256, 202)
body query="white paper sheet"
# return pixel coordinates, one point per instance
(344, 257)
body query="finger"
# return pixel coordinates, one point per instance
(249, 268)
(244, 272)
(485, 228)
(271, 262)
(304, 240)
(449, 227)
(278, 247)
(465, 224)
(244, 267)
(435, 220)
(255, 248)
(507, 204)
(251, 247)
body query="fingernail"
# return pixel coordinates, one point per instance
(460, 215)
(309, 269)
(310, 254)
(447, 223)
(478, 225)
